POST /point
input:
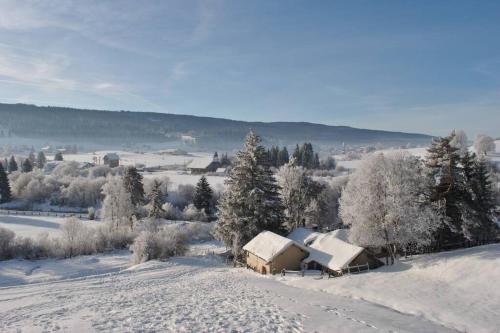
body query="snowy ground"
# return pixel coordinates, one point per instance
(191, 294)
(32, 226)
(458, 289)
(181, 177)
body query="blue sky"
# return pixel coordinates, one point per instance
(419, 66)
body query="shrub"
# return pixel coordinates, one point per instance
(171, 212)
(158, 245)
(6, 243)
(191, 213)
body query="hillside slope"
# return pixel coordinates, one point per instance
(75, 125)
(458, 289)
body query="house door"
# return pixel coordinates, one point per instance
(263, 270)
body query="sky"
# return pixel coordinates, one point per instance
(415, 66)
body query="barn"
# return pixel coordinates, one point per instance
(203, 165)
(111, 159)
(271, 253)
(332, 252)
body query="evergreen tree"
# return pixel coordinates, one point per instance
(41, 160)
(5, 194)
(202, 198)
(483, 202)
(32, 158)
(132, 181)
(58, 156)
(297, 155)
(316, 161)
(307, 156)
(5, 164)
(26, 166)
(224, 160)
(251, 202)
(284, 158)
(157, 200)
(448, 190)
(13, 164)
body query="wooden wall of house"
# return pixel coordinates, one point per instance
(290, 259)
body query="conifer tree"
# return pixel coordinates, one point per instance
(251, 202)
(5, 193)
(26, 166)
(448, 190)
(284, 158)
(157, 200)
(32, 158)
(202, 198)
(58, 156)
(297, 155)
(132, 181)
(13, 164)
(41, 160)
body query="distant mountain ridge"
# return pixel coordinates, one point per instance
(125, 127)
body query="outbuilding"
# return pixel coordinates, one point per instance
(270, 253)
(112, 160)
(332, 252)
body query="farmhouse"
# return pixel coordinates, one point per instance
(112, 160)
(203, 165)
(332, 252)
(270, 253)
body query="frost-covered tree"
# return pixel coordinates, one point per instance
(384, 203)
(41, 160)
(484, 144)
(156, 197)
(5, 194)
(117, 206)
(58, 156)
(203, 195)
(13, 164)
(297, 190)
(459, 141)
(132, 181)
(251, 202)
(26, 166)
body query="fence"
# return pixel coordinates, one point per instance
(43, 213)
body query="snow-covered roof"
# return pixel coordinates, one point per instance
(267, 245)
(220, 170)
(201, 163)
(303, 236)
(333, 250)
(112, 156)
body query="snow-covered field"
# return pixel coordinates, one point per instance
(190, 294)
(448, 292)
(181, 177)
(148, 159)
(32, 226)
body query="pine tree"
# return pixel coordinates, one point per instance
(157, 200)
(58, 156)
(483, 202)
(297, 155)
(13, 164)
(448, 191)
(26, 166)
(284, 158)
(251, 202)
(316, 161)
(41, 160)
(202, 198)
(32, 158)
(5, 194)
(132, 180)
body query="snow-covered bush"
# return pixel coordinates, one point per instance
(158, 245)
(170, 211)
(91, 213)
(6, 243)
(67, 169)
(107, 238)
(182, 196)
(164, 182)
(33, 186)
(82, 192)
(77, 238)
(191, 213)
(198, 231)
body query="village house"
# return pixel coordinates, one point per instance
(271, 253)
(112, 160)
(333, 253)
(204, 165)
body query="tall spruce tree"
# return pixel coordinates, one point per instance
(297, 155)
(284, 158)
(41, 160)
(251, 202)
(58, 156)
(156, 200)
(5, 194)
(26, 166)
(132, 181)
(448, 191)
(202, 198)
(13, 164)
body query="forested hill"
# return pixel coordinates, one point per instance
(77, 125)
